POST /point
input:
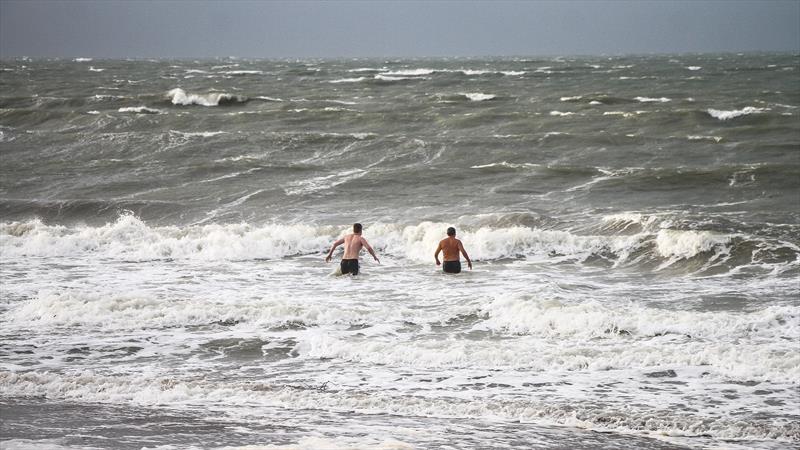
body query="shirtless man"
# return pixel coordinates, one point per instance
(451, 247)
(352, 247)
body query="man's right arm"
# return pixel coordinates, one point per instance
(436, 255)
(333, 247)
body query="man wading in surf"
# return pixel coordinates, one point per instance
(451, 247)
(352, 247)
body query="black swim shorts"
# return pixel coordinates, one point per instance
(349, 266)
(452, 266)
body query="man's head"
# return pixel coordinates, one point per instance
(451, 231)
(357, 228)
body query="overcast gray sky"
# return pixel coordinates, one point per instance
(202, 28)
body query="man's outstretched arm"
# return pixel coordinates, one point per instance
(370, 250)
(333, 247)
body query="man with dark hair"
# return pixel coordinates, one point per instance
(451, 248)
(352, 247)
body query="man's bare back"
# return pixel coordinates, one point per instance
(353, 243)
(451, 247)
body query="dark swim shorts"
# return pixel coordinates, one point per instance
(452, 266)
(349, 266)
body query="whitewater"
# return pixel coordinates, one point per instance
(633, 223)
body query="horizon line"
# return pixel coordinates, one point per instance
(406, 57)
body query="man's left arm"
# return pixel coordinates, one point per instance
(370, 250)
(464, 252)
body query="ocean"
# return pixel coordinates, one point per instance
(634, 223)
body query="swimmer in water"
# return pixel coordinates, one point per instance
(451, 248)
(353, 243)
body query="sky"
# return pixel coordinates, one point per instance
(281, 29)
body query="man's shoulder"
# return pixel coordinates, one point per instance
(357, 237)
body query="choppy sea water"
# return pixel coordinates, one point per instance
(634, 223)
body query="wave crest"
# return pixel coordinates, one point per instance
(179, 97)
(626, 240)
(732, 114)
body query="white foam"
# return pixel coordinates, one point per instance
(543, 407)
(415, 241)
(694, 68)
(475, 72)
(101, 97)
(359, 136)
(653, 100)
(508, 165)
(622, 336)
(203, 134)
(134, 310)
(477, 96)
(630, 323)
(141, 110)
(732, 114)
(704, 138)
(131, 238)
(571, 99)
(179, 97)
(82, 59)
(326, 443)
(92, 69)
(243, 72)
(559, 113)
(626, 114)
(395, 78)
(410, 72)
(36, 444)
(348, 80)
(367, 69)
(686, 244)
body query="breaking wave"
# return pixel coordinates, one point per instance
(732, 114)
(179, 97)
(624, 241)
